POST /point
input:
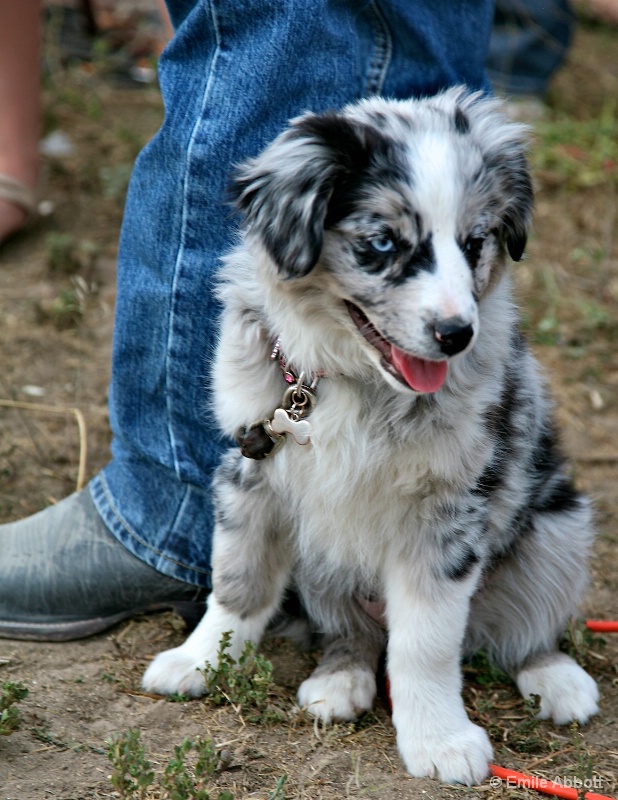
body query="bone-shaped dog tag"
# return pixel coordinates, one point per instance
(299, 429)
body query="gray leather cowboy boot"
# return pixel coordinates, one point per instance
(64, 576)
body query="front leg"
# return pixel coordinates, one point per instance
(427, 613)
(251, 568)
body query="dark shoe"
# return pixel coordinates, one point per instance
(64, 576)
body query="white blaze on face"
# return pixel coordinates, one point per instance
(438, 190)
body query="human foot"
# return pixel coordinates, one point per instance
(17, 206)
(64, 576)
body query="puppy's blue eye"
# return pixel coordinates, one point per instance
(382, 244)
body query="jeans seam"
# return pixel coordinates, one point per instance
(183, 227)
(383, 51)
(128, 529)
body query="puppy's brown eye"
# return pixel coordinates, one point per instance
(472, 249)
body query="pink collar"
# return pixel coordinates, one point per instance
(290, 374)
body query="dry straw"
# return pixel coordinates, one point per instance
(41, 408)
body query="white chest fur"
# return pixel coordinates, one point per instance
(375, 467)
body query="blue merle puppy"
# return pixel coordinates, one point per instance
(396, 440)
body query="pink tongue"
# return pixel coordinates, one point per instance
(419, 374)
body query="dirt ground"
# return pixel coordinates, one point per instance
(56, 312)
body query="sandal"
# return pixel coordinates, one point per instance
(19, 194)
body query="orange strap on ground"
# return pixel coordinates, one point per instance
(520, 781)
(602, 625)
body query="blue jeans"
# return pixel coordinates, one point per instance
(529, 42)
(234, 73)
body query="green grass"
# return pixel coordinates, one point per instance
(577, 153)
(10, 718)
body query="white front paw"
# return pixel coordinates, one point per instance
(175, 672)
(567, 692)
(453, 755)
(342, 695)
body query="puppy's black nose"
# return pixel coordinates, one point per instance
(453, 335)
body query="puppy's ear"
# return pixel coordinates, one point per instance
(504, 144)
(285, 192)
(510, 168)
(518, 215)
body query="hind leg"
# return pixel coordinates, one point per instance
(251, 568)
(343, 686)
(567, 692)
(525, 605)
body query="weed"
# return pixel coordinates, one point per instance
(59, 250)
(65, 254)
(66, 310)
(12, 693)
(183, 783)
(527, 737)
(246, 683)
(278, 793)
(486, 673)
(207, 759)
(177, 698)
(577, 640)
(177, 780)
(132, 774)
(584, 766)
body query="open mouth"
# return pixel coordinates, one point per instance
(419, 374)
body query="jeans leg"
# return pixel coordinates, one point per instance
(234, 73)
(529, 41)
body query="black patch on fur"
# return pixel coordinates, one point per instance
(351, 149)
(547, 457)
(462, 564)
(491, 479)
(515, 241)
(462, 123)
(240, 593)
(499, 421)
(499, 417)
(423, 259)
(518, 342)
(238, 473)
(400, 264)
(560, 497)
(290, 208)
(521, 525)
(553, 492)
(547, 461)
(231, 471)
(226, 519)
(379, 166)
